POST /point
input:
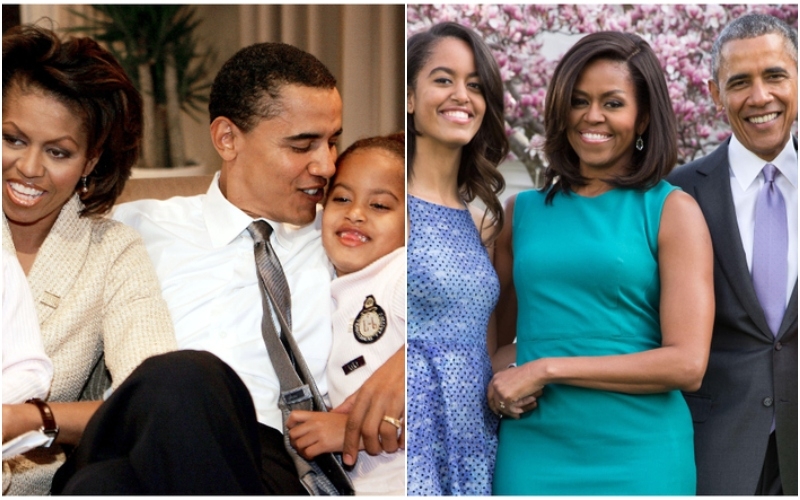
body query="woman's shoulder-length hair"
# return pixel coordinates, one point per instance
(660, 152)
(477, 174)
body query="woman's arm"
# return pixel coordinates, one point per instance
(504, 357)
(71, 418)
(505, 314)
(506, 310)
(136, 321)
(135, 324)
(485, 229)
(687, 315)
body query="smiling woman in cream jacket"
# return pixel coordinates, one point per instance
(69, 141)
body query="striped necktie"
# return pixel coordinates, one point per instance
(324, 475)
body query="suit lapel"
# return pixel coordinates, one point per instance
(790, 317)
(714, 196)
(60, 259)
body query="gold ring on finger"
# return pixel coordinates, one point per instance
(394, 421)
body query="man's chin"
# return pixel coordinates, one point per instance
(302, 219)
(767, 150)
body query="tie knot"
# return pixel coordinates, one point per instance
(260, 231)
(769, 172)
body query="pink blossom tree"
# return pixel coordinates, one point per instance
(680, 35)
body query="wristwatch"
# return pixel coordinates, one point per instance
(49, 426)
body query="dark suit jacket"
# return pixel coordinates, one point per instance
(750, 373)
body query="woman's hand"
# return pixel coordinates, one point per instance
(515, 390)
(312, 433)
(526, 404)
(19, 419)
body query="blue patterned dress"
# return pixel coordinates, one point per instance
(452, 290)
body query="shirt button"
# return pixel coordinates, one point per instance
(767, 402)
(778, 346)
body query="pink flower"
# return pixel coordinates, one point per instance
(680, 35)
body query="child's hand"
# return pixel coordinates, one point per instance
(314, 432)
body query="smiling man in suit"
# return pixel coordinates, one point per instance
(745, 413)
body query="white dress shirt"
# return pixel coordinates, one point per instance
(746, 182)
(27, 371)
(204, 259)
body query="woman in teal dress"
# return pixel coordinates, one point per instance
(606, 280)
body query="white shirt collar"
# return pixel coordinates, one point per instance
(225, 221)
(746, 165)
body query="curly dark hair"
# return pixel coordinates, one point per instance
(477, 174)
(393, 143)
(87, 79)
(652, 100)
(247, 88)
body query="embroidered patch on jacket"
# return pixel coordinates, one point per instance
(370, 323)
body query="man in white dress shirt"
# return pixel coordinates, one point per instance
(276, 116)
(745, 413)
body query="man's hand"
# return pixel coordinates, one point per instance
(383, 394)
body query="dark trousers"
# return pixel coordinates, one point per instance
(770, 481)
(182, 423)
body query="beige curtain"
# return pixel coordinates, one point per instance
(60, 15)
(362, 45)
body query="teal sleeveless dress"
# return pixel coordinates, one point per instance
(587, 283)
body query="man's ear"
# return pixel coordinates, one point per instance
(223, 136)
(713, 89)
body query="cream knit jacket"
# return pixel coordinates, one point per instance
(96, 292)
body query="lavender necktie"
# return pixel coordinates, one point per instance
(770, 247)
